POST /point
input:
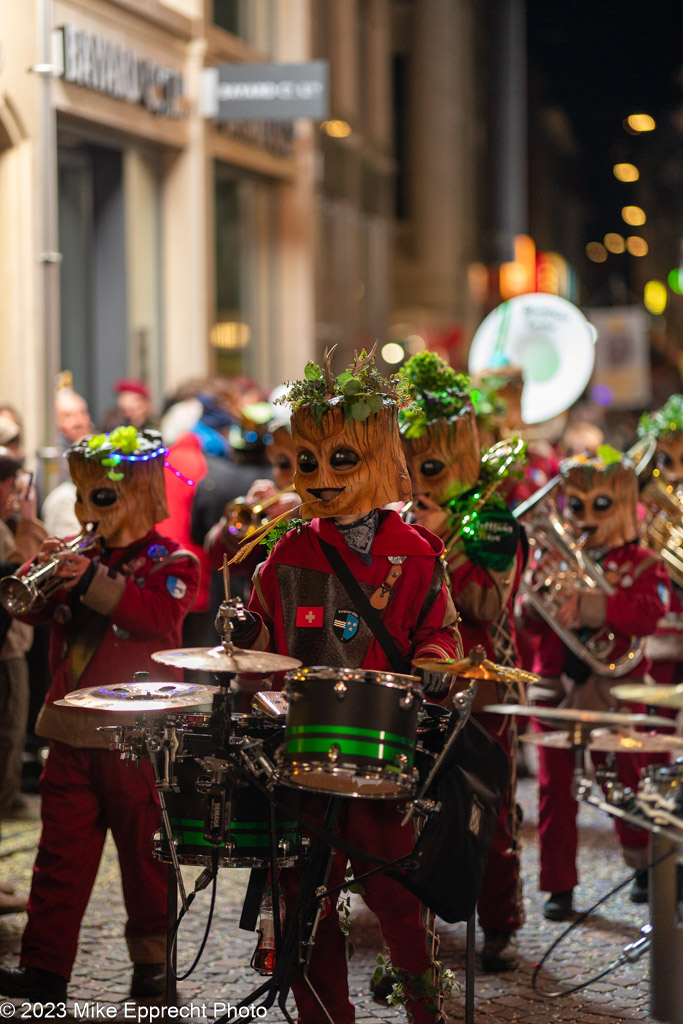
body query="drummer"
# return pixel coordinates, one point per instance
(485, 562)
(600, 496)
(349, 464)
(115, 605)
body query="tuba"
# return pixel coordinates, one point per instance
(21, 594)
(663, 524)
(557, 561)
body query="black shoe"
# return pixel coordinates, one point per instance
(640, 888)
(500, 952)
(382, 989)
(32, 984)
(559, 906)
(148, 981)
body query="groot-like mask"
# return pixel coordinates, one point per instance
(282, 455)
(119, 480)
(601, 500)
(669, 457)
(665, 425)
(349, 458)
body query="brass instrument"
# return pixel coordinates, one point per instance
(242, 518)
(663, 524)
(20, 594)
(559, 562)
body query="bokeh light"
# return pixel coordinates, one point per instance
(614, 242)
(655, 297)
(626, 172)
(634, 216)
(602, 394)
(636, 245)
(392, 352)
(675, 280)
(596, 252)
(415, 343)
(336, 129)
(641, 123)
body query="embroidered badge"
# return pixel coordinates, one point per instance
(157, 552)
(664, 595)
(176, 587)
(345, 624)
(309, 616)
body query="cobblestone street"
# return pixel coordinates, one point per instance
(102, 973)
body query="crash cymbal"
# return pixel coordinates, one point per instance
(475, 668)
(662, 696)
(621, 741)
(140, 697)
(578, 715)
(218, 659)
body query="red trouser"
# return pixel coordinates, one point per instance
(557, 810)
(373, 825)
(500, 907)
(84, 792)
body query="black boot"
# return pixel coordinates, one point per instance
(32, 984)
(148, 981)
(559, 906)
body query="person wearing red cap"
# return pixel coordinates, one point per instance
(133, 406)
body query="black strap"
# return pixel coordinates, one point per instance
(365, 609)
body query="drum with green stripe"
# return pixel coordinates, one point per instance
(351, 732)
(247, 837)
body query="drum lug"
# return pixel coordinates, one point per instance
(340, 690)
(334, 752)
(407, 700)
(401, 761)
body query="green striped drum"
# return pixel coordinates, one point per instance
(351, 732)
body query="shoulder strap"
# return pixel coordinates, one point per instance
(365, 609)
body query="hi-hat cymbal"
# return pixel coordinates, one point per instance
(623, 741)
(663, 696)
(475, 668)
(218, 659)
(140, 697)
(579, 715)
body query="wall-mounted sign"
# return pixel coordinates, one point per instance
(93, 62)
(266, 92)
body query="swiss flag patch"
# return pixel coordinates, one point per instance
(307, 616)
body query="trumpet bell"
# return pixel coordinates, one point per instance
(549, 339)
(16, 596)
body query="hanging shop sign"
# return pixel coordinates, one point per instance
(266, 92)
(94, 62)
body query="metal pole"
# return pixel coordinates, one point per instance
(666, 948)
(49, 256)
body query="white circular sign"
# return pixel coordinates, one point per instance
(549, 339)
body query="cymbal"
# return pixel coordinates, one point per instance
(579, 715)
(140, 697)
(475, 668)
(664, 696)
(218, 659)
(623, 741)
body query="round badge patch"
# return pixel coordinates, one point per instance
(157, 552)
(345, 624)
(176, 587)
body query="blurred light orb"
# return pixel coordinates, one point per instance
(641, 123)
(393, 352)
(675, 280)
(596, 252)
(614, 242)
(655, 297)
(336, 129)
(602, 394)
(415, 343)
(636, 245)
(626, 172)
(634, 216)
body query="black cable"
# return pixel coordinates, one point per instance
(199, 885)
(579, 920)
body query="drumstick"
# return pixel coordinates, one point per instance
(226, 577)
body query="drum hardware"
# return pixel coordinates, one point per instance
(21, 594)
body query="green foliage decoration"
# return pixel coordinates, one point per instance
(667, 420)
(121, 444)
(437, 392)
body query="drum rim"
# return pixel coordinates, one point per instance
(407, 779)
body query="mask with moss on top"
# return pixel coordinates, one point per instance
(666, 427)
(349, 458)
(439, 432)
(119, 480)
(601, 498)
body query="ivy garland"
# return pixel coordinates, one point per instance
(121, 444)
(437, 391)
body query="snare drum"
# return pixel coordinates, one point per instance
(351, 732)
(247, 840)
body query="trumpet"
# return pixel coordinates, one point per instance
(561, 562)
(20, 594)
(242, 518)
